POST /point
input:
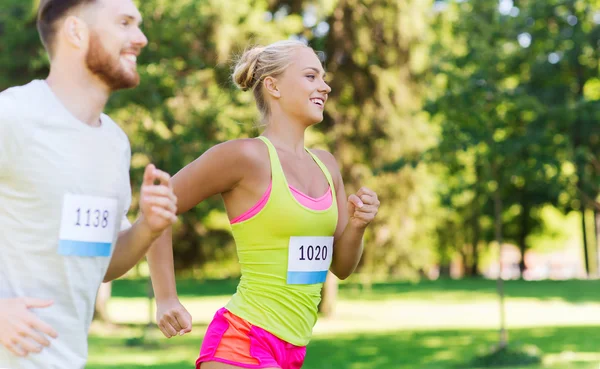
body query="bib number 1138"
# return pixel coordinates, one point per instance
(87, 226)
(92, 218)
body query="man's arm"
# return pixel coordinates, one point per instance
(158, 206)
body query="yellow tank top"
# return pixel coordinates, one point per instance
(284, 251)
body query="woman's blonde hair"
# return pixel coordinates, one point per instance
(260, 62)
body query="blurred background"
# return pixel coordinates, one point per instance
(475, 121)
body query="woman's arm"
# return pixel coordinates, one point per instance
(220, 169)
(355, 213)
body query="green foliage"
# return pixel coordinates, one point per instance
(425, 99)
(374, 121)
(511, 96)
(21, 56)
(186, 102)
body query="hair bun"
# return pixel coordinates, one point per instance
(245, 69)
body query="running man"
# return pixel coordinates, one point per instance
(64, 185)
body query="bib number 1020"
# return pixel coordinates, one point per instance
(96, 218)
(313, 252)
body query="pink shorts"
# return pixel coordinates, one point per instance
(231, 340)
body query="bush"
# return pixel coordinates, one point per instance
(512, 354)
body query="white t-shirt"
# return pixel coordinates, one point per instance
(64, 194)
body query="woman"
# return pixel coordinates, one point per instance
(289, 214)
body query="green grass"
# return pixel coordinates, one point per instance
(574, 291)
(443, 349)
(388, 326)
(563, 347)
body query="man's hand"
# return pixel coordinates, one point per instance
(158, 203)
(21, 332)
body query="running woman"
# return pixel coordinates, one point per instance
(289, 214)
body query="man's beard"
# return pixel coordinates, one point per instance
(109, 70)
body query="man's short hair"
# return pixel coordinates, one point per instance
(49, 13)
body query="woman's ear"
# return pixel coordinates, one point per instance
(270, 84)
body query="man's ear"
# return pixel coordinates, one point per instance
(75, 31)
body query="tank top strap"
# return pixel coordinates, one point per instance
(277, 175)
(324, 170)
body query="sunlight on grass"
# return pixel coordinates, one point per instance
(362, 316)
(399, 349)
(432, 325)
(571, 356)
(156, 351)
(137, 310)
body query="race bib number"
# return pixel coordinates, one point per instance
(87, 226)
(309, 259)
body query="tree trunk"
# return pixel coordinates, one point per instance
(578, 139)
(499, 239)
(523, 232)
(597, 229)
(101, 306)
(585, 241)
(476, 225)
(328, 295)
(475, 241)
(444, 271)
(444, 255)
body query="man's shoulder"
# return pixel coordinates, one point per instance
(17, 105)
(19, 99)
(116, 130)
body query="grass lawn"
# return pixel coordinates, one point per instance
(428, 325)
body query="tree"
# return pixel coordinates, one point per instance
(186, 104)
(493, 95)
(22, 56)
(373, 122)
(564, 38)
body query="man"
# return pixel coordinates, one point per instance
(64, 185)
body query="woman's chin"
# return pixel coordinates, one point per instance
(316, 119)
